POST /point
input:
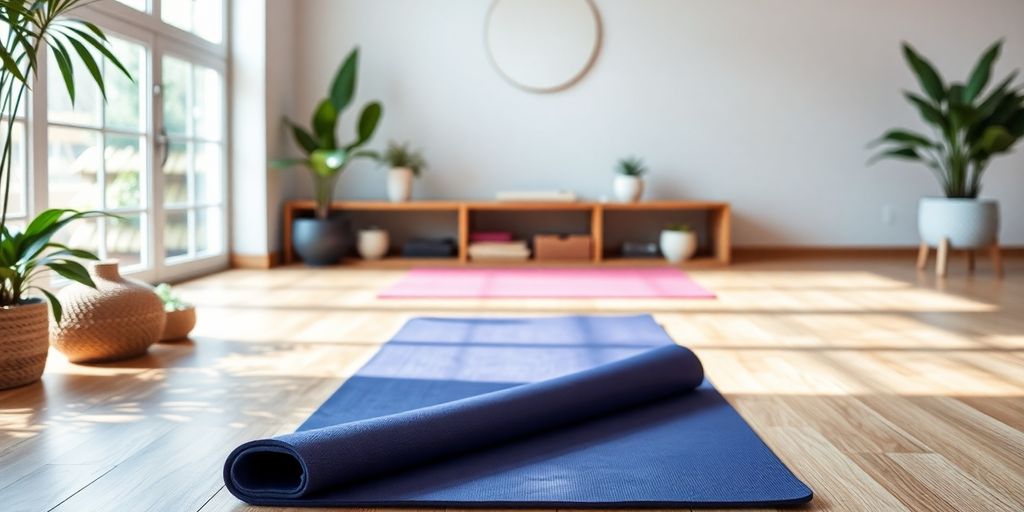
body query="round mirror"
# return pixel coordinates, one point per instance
(543, 45)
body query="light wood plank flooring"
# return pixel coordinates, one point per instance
(884, 389)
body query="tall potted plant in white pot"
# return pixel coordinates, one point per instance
(24, 255)
(404, 164)
(321, 240)
(970, 124)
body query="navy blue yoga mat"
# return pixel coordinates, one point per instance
(520, 412)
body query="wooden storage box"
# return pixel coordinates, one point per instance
(562, 247)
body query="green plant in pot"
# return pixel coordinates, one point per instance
(970, 124)
(629, 179)
(25, 255)
(677, 242)
(322, 240)
(404, 163)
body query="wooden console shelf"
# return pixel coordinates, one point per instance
(715, 242)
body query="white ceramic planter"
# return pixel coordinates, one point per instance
(677, 246)
(400, 184)
(372, 244)
(967, 223)
(628, 189)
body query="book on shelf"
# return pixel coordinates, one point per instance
(561, 196)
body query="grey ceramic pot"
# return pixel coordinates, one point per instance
(320, 242)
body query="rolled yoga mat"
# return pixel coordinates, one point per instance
(607, 412)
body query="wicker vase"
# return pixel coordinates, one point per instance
(23, 343)
(119, 319)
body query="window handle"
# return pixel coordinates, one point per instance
(164, 146)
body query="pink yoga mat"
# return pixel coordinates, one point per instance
(638, 283)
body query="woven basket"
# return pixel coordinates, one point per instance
(119, 319)
(179, 324)
(23, 343)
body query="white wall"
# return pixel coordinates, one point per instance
(262, 92)
(764, 103)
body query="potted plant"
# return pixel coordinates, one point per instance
(322, 240)
(969, 128)
(404, 164)
(678, 243)
(24, 326)
(629, 180)
(181, 316)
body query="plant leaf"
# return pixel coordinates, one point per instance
(328, 162)
(927, 76)
(904, 153)
(982, 71)
(996, 139)
(325, 122)
(90, 64)
(928, 111)
(60, 54)
(302, 137)
(72, 270)
(903, 137)
(368, 121)
(102, 48)
(55, 306)
(343, 89)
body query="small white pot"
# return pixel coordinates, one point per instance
(967, 223)
(400, 184)
(678, 246)
(372, 244)
(628, 189)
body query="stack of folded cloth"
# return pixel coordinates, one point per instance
(429, 248)
(513, 250)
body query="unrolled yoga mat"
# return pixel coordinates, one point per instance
(520, 412)
(547, 283)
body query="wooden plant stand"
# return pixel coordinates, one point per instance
(942, 258)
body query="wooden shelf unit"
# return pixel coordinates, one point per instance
(718, 228)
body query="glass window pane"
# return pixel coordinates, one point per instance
(177, 78)
(138, 5)
(18, 200)
(74, 167)
(86, 109)
(209, 107)
(176, 234)
(209, 231)
(124, 171)
(176, 175)
(124, 97)
(81, 234)
(208, 173)
(125, 239)
(203, 18)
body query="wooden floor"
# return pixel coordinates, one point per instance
(880, 387)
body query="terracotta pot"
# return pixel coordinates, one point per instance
(23, 343)
(179, 324)
(119, 319)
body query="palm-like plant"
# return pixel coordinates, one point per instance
(325, 157)
(33, 26)
(969, 127)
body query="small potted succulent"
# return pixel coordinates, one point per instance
(404, 164)
(629, 179)
(181, 316)
(678, 243)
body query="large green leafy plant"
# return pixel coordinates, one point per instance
(32, 26)
(326, 157)
(969, 127)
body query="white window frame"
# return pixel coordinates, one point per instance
(160, 38)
